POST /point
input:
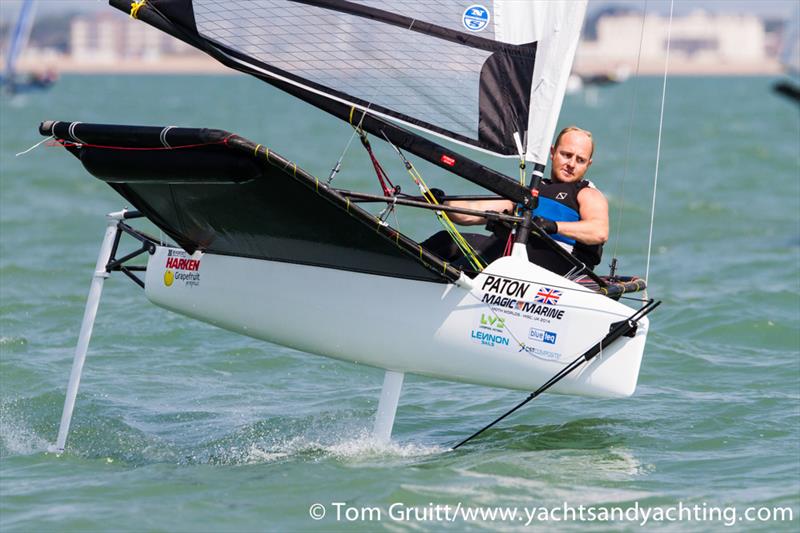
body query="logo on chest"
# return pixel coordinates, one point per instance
(561, 196)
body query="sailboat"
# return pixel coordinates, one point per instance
(789, 85)
(261, 247)
(10, 81)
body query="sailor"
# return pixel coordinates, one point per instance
(571, 210)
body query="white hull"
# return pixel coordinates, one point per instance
(438, 330)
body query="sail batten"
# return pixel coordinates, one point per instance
(407, 23)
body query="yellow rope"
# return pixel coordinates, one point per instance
(255, 152)
(451, 229)
(135, 7)
(352, 110)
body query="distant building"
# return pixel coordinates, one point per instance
(699, 42)
(109, 37)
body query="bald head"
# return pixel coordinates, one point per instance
(571, 155)
(570, 129)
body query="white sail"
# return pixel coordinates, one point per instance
(790, 48)
(19, 38)
(556, 26)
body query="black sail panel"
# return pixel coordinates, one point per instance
(505, 92)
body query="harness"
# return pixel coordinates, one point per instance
(559, 202)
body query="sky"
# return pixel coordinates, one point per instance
(765, 8)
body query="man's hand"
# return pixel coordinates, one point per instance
(549, 226)
(439, 194)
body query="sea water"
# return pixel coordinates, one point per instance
(180, 426)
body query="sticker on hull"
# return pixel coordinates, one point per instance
(181, 269)
(547, 355)
(488, 339)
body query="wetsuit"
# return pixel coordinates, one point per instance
(557, 201)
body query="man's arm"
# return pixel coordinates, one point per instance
(592, 228)
(479, 205)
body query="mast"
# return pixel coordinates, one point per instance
(18, 40)
(555, 25)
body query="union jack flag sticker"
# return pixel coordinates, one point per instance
(547, 296)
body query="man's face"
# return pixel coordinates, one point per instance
(571, 158)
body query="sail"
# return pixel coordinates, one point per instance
(469, 72)
(790, 48)
(556, 27)
(18, 39)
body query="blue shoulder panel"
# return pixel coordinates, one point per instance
(558, 212)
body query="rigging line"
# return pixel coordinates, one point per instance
(37, 145)
(67, 144)
(630, 135)
(135, 7)
(389, 209)
(617, 330)
(396, 219)
(517, 207)
(496, 316)
(658, 146)
(356, 129)
(383, 177)
(460, 241)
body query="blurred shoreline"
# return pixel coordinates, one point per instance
(196, 64)
(163, 65)
(679, 67)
